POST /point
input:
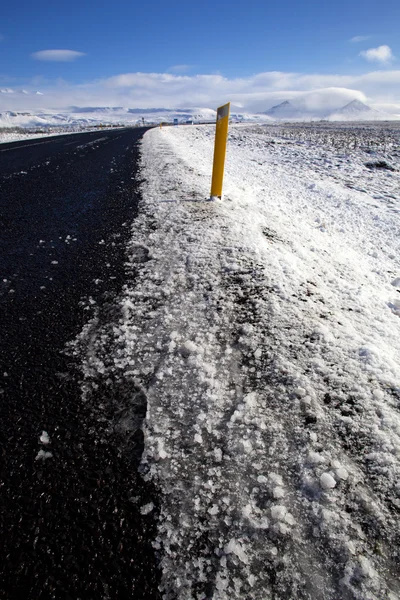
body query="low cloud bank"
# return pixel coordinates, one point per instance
(315, 92)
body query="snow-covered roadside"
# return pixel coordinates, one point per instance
(6, 137)
(265, 332)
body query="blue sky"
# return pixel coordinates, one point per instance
(235, 41)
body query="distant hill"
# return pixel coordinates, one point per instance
(77, 116)
(16, 92)
(86, 116)
(283, 111)
(353, 111)
(358, 111)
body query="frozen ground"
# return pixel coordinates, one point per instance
(6, 136)
(264, 330)
(13, 136)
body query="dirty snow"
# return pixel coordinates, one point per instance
(264, 330)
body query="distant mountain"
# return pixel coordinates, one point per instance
(96, 109)
(284, 110)
(25, 92)
(355, 111)
(85, 116)
(356, 106)
(137, 111)
(358, 111)
(28, 119)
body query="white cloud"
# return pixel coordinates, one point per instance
(57, 55)
(179, 69)
(382, 54)
(316, 92)
(360, 38)
(390, 108)
(328, 99)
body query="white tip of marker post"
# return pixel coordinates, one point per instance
(213, 198)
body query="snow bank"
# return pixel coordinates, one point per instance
(262, 330)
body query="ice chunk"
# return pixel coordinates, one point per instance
(42, 455)
(218, 454)
(247, 446)
(278, 492)
(275, 478)
(44, 438)
(235, 547)
(190, 347)
(300, 392)
(247, 510)
(221, 583)
(214, 510)
(341, 473)
(278, 512)
(251, 400)
(315, 458)
(289, 519)
(146, 508)
(327, 481)
(366, 568)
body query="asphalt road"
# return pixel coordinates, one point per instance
(71, 526)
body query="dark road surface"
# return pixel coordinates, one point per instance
(71, 526)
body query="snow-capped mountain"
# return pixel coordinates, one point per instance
(28, 119)
(284, 111)
(358, 111)
(96, 109)
(86, 116)
(111, 115)
(353, 111)
(16, 92)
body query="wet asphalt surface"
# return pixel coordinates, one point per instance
(71, 526)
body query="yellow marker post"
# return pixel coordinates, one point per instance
(221, 137)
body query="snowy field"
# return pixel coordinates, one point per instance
(264, 330)
(6, 136)
(13, 136)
